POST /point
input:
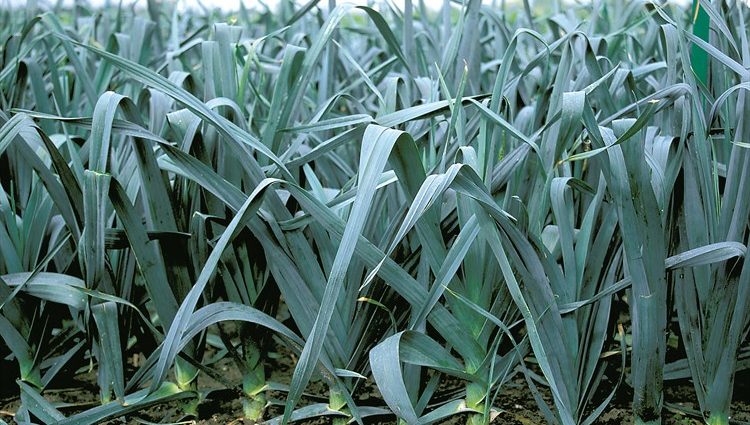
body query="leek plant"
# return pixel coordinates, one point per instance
(418, 206)
(711, 300)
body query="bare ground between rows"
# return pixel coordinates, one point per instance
(515, 401)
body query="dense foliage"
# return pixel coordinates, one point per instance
(433, 202)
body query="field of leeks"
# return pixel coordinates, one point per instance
(421, 206)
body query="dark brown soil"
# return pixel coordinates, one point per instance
(515, 404)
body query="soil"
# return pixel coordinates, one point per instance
(515, 404)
